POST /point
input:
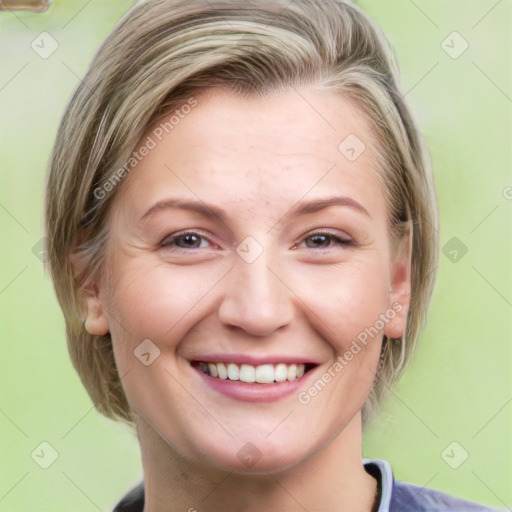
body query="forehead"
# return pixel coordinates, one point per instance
(284, 123)
(262, 150)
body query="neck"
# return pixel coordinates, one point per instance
(332, 479)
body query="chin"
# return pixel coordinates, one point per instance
(249, 459)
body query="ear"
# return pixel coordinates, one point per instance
(400, 285)
(96, 320)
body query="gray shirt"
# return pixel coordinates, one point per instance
(395, 496)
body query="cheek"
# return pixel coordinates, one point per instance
(347, 310)
(151, 308)
(155, 300)
(345, 301)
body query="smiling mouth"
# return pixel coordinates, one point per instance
(260, 374)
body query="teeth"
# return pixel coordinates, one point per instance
(222, 371)
(233, 372)
(291, 372)
(262, 374)
(265, 373)
(247, 373)
(280, 372)
(212, 368)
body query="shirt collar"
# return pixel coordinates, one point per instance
(381, 470)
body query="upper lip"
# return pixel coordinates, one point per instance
(254, 360)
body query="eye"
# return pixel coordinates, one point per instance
(189, 240)
(325, 240)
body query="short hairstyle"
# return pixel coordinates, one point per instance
(159, 55)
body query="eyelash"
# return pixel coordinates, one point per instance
(170, 241)
(332, 237)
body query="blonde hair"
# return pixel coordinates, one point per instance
(161, 53)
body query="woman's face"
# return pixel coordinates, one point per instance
(252, 240)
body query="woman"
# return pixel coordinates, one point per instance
(242, 233)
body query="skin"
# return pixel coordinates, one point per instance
(256, 159)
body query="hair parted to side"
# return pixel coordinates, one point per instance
(157, 57)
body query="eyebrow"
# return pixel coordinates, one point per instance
(302, 208)
(195, 206)
(316, 205)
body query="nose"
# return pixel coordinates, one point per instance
(257, 298)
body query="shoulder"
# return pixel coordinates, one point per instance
(398, 496)
(395, 496)
(407, 497)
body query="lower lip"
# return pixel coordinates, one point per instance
(254, 392)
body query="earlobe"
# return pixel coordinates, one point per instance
(95, 318)
(96, 321)
(400, 287)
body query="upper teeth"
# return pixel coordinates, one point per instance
(263, 373)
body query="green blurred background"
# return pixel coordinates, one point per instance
(447, 424)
